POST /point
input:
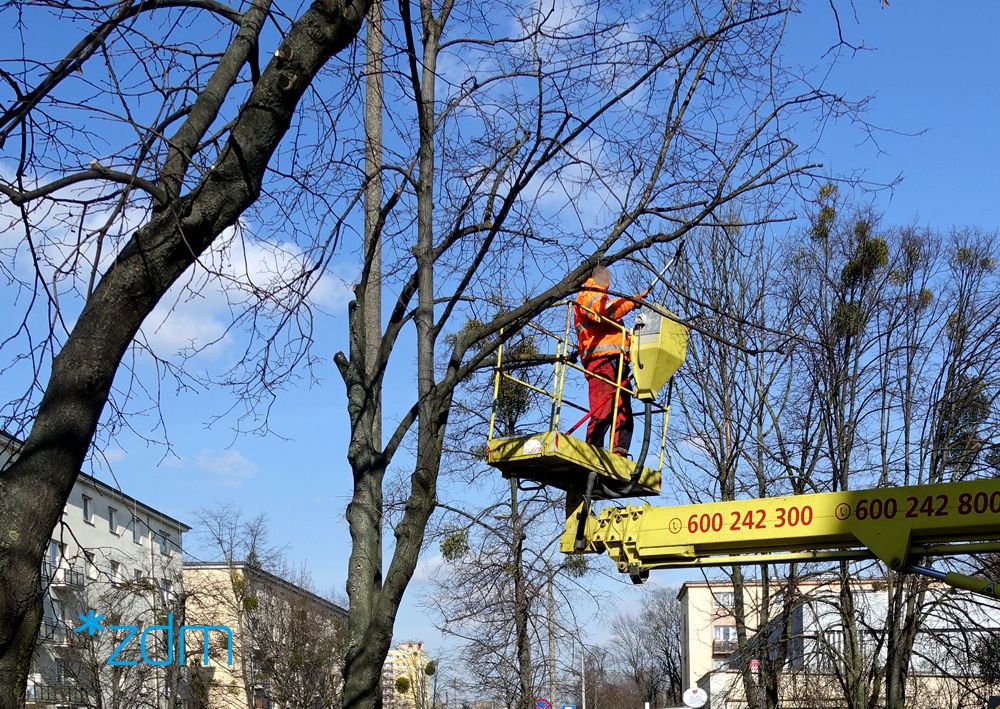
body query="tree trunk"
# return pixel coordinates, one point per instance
(772, 670)
(855, 692)
(372, 302)
(740, 617)
(34, 488)
(905, 602)
(374, 602)
(552, 636)
(364, 513)
(521, 607)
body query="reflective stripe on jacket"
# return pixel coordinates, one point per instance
(598, 322)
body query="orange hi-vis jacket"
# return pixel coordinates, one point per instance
(598, 323)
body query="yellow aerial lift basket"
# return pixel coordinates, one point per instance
(555, 457)
(900, 526)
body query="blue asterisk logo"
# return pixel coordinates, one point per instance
(91, 623)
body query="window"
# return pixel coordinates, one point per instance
(165, 588)
(138, 575)
(724, 633)
(54, 558)
(112, 522)
(136, 530)
(89, 567)
(722, 599)
(55, 554)
(116, 572)
(165, 543)
(88, 510)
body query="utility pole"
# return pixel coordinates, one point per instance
(583, 675)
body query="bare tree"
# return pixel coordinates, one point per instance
(289, 643)
(733, 433)
(561, 103)
(890, 361)
(647, 648)
(852, 356)
(665, 620)
(635, 660)
(303, 652)
(499, 594)
(530, 143)
(642, 661)
(168, 180)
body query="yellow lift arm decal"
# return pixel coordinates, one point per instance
(891, 524)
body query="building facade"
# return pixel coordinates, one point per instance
(942, 672)
(287, 642)
(407, 675)
(122, 558)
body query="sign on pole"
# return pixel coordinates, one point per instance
(542, 703)
(695, 697)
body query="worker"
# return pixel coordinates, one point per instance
(603, 348)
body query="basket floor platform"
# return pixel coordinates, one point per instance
(561, 461)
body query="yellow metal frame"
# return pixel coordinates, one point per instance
(557, 458)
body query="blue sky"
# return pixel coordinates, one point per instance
(931, 69)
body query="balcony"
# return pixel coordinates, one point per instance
(56, 634)
(61, 577)
(57, 694)
(724, 647)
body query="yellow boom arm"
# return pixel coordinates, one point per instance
(891, 524)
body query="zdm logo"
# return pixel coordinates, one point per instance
(92, 626)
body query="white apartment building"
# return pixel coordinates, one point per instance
(943, 674)
(121, 558)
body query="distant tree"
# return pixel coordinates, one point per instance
(665, 617)
(986, 656)
(647, 648)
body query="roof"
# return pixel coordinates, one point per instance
(810, 582)
(284, 583)
(132, 502)
(108, 489)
